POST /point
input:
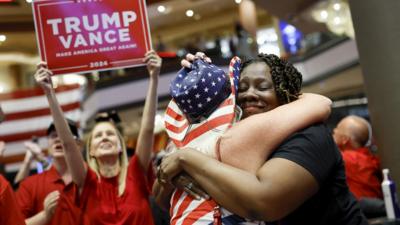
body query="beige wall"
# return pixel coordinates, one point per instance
(7, 79)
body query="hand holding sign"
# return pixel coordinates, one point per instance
(43, 77)
(153, 63)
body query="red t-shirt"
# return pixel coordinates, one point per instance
(103, 206)
(362, 173)
(33, 190)
(9, 211)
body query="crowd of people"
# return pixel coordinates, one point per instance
(276, 163)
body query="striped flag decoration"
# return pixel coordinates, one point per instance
(28, 114)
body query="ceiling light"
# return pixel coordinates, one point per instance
(238, 1)
(336, 14)
(28, 1)
(336, 6)
(324, 15)
(339, 19)
(189, 13)
(2, 38)
(161, 8)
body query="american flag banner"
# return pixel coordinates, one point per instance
(202, 136)
(27, 115)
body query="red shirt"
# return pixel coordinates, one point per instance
(9, 211)
(363, 173)
(103, 205)
(33, 190)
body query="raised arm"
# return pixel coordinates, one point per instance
(265, 131)
(73, 156)
(145, 142)
(24, 169)
(33, 152)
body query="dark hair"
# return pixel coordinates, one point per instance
(110, 116)
(285, 77)
(73, 126)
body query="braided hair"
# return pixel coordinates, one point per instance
(285, 77)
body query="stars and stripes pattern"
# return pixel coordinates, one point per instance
(203, 137)
(181, 132)
(199, 90)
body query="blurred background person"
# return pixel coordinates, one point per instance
(40, 195)
(363, 171)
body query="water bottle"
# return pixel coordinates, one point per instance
(390, 196)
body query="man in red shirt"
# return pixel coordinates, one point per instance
(51, 197)
(363, 173)
(9, 211)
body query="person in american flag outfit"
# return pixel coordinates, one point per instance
(266, 85)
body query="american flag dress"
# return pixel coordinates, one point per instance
(203, 137)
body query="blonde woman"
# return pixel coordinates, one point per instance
(113, 190)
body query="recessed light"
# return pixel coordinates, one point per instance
(238, 1)
(2, 38)
(161, 8)
(189, 13)
(336, 6)
(28, 1)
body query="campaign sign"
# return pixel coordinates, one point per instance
(77, 36)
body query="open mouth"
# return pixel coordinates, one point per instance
(58, 147)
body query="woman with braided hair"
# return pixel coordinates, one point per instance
(301, 182)
(285, 78)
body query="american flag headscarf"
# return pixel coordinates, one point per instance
(206, 90)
